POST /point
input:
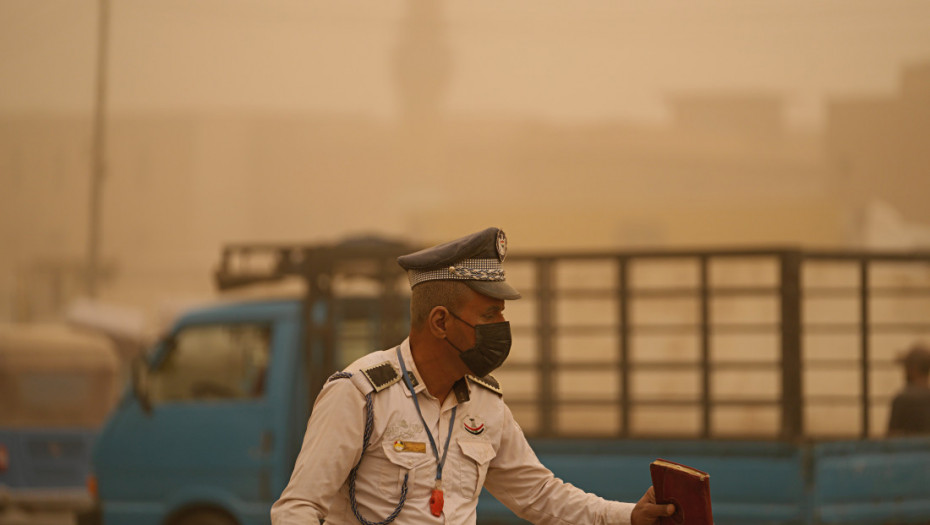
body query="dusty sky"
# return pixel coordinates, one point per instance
(578, 60)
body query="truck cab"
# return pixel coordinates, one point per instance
(212, 423)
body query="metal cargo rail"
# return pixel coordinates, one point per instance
(602, 339)
(812, 302)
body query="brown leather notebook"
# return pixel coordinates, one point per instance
(687, 488)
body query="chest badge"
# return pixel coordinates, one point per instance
(473, 425)
(410, 446)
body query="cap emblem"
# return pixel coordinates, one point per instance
(501, 245)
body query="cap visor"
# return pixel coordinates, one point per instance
(495, 289)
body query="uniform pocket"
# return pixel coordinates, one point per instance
(476, 457)
(396, 463)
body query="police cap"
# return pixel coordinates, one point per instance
(474, 259)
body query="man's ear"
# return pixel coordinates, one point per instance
(437, 321)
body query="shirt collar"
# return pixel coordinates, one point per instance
(418, 385)
(461, 388)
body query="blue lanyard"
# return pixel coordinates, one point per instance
(432, 442)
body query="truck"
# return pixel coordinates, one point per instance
(769, 368)
(57, 385)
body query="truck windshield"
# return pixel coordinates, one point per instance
(57, 398)
(53, 377)
(213, 362)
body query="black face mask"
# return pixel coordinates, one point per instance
(492, 345)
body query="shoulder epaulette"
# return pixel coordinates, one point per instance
(339, 375)
(488, 382)
(381, 375)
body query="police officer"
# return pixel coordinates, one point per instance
(414, 432)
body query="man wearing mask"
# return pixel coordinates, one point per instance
(414, 432)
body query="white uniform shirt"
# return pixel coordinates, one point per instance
(487, 449)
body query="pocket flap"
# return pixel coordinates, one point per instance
(410, 456)
(480, 452)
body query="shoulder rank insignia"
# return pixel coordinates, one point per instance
(381, 375)
(488, 382)
(339, 375)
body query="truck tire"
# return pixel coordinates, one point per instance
(204, 517)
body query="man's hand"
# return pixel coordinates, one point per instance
(646, 512)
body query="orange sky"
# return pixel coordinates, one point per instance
(539, 58)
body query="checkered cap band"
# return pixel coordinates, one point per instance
(464, 270)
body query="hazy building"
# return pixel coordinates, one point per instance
(877, 146)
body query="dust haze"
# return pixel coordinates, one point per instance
(579, 125)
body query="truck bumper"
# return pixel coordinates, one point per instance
(64, 499)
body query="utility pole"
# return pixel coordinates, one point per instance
(98, 161)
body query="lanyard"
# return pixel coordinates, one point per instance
(436, 500)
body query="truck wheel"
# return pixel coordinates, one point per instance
(204, 517)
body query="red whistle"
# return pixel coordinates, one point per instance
(435, 502)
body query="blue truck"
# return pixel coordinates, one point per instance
(746, 364)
